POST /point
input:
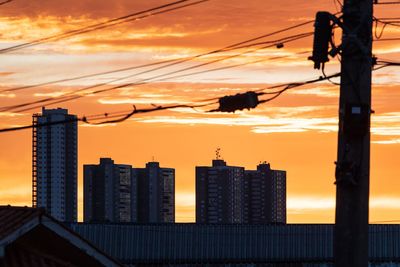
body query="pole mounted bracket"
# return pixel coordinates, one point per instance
(345, 173)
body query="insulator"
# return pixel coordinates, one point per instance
(322, 36)
(236, 102)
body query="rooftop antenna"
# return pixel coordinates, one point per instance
(218, 153)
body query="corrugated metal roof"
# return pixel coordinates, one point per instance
(12, 218)
(191, 243)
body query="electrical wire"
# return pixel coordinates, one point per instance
(387, 39)
(124, 117)
(73, 97)
(386, 3)
(336, 2)
(395, 22)
(378, 36)
(387, 63)
(157, 78)
(115, 117)
(5, 2)
(143, 82)
(289, 86)
(241, 44)
(329, 79)
(85, 76)
(109, 23)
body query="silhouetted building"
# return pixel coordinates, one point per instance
(109, 192)
(120, 193)
(220, 193)
(265, 195)
(156, 194)
(228, 194)
(54, 163)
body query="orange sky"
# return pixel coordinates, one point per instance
(297, 132)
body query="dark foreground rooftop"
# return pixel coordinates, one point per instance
(214, 244)
(29, 237)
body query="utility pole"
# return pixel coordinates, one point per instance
(353, 158)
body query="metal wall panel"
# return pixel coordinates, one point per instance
(201, 244)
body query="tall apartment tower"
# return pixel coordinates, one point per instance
(54, 163)
(228, 194)
(220, 193)
(156, 194)
(109, 192)
(265, 195)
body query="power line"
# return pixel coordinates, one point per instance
(389, 18)
(226, 48)
(387, 63)
(122, 117)
(5, 2)
(386, 3)
(142, 82)
(157, 78)
(395, 22)
(289, 86)
(115, 117)
(336, 2)
(293, 85)
(238, 45)
(73, 97)
(84, 76)
(118, 117)
(109, 23)
(387, 39)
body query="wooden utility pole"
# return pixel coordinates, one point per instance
(353, 159)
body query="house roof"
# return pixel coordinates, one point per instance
(12, 218)
(29, 226)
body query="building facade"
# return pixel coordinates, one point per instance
(120, 193)
(156, 194)
(108, 191)
(265, 195)
(54, 163)
(220, 193)
(228, 194)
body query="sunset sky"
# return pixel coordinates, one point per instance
(297, 132)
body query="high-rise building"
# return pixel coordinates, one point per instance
(265, 195)
(156, 194)
(109, 192)
(220, 193)
(54, 163)
(120, 193)
(228, 194)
